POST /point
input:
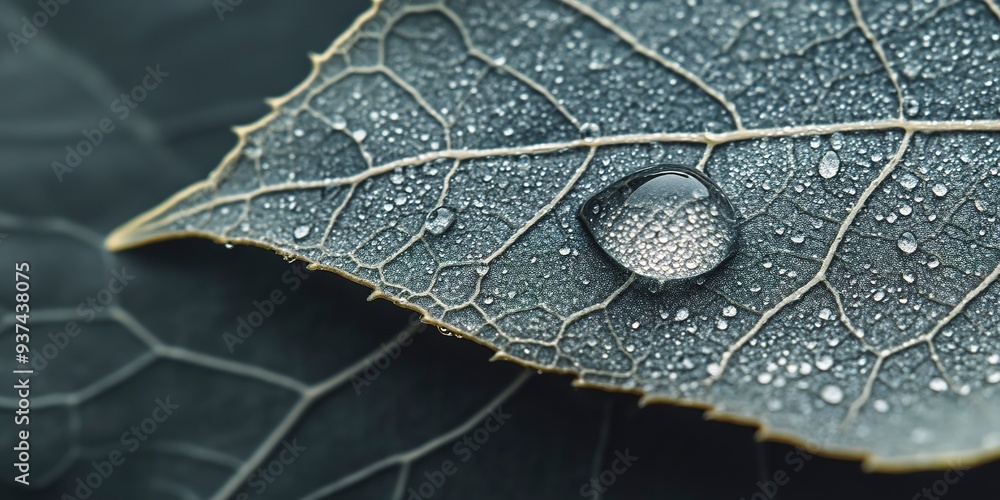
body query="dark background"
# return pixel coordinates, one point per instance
(186, 293)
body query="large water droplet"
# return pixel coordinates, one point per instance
(665, 223)
(439, 220)
(907, 242)
(829, 165)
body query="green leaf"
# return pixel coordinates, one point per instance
(859, 312)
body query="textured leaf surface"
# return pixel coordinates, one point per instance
(860, 312)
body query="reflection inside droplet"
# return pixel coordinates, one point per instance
(439, 220)
(665, 223)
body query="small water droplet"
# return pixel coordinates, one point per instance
(359, 134)
(908, 181)
(301, 232)
(832, 394)
(397, 177)
(938, 384)
(590, 131)
(837, 141)
(824, 363)
(939, 189)
(229, 245)
(815, 142)
(446, 332)
(921, 435)
(252, 152)
(907, 242)
(829, 165)
(682, 314)
(880, 405)
(729, 311)
(664, 223)
(564, 251)
(439, 220)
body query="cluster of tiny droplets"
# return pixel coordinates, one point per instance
(668, 242)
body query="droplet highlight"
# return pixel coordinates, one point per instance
(666, 223)
(590, 131)
(829, 165)
(832, 394)
(439, 220)
(907, 242)
(301, 232)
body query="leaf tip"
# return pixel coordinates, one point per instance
(123, 237)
